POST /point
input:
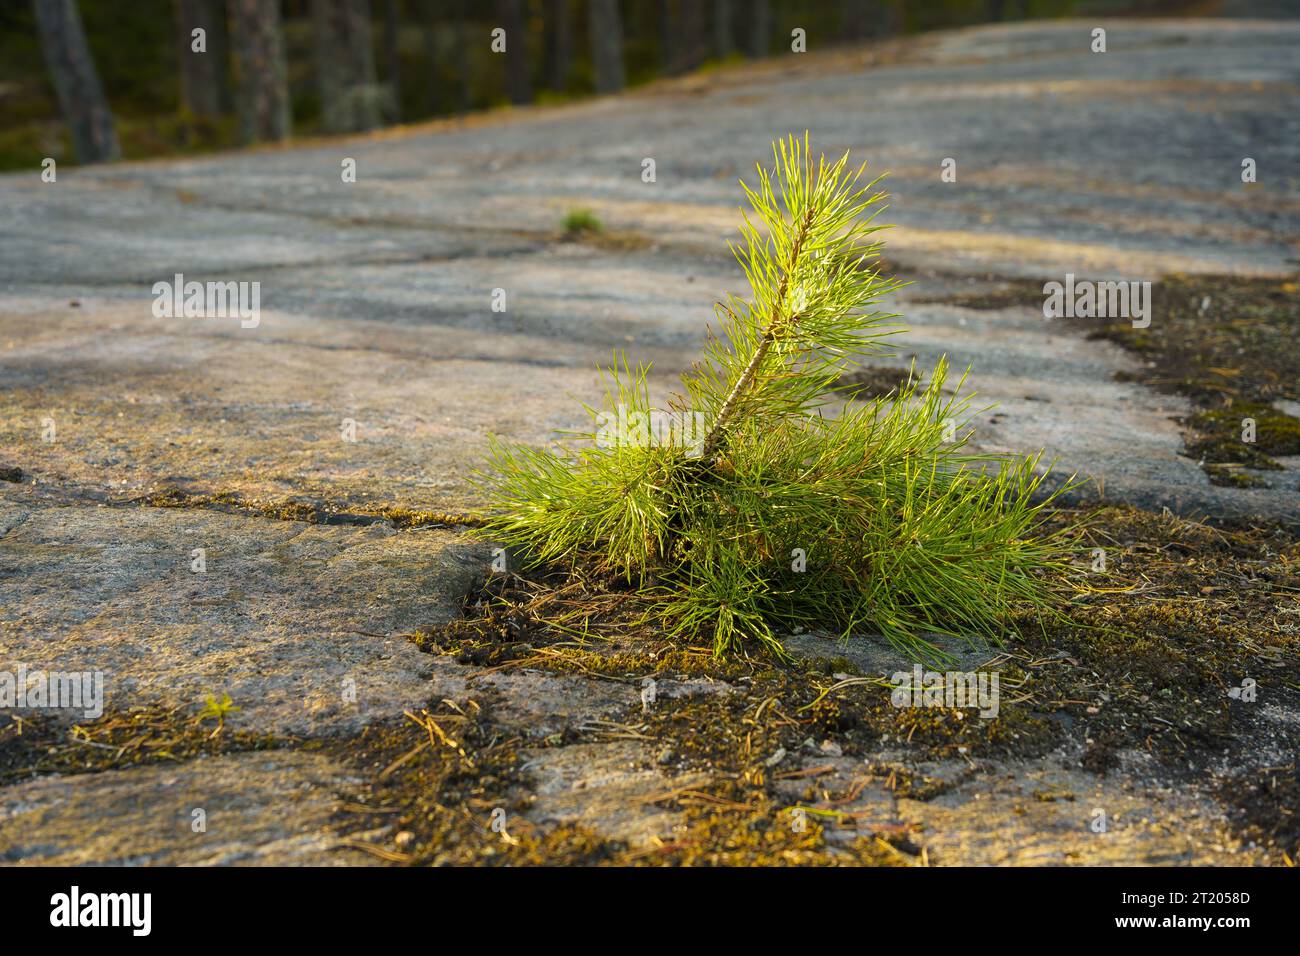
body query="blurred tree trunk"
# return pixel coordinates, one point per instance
(393, 58)
(667, 37)
(606, 33)
(518, 83)
(760, 28)
(683, 44)
(350, 95)
(263, 76)
(1000, 10)
(429, 11)
(204, 76)
(692, 41)
(855, 20)
(462, 58)
(723, 43)
(219, 43)
(559, 44)
(892, 18)
(72, 71)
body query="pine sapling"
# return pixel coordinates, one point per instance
(748, 506)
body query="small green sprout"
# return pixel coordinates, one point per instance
(580, 220)
(218, 709)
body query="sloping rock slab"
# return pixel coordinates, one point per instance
(300, 624)
(259, 809)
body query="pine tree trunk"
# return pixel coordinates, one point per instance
(668, 52)
(855, 19)
(72, 71)
(760, 28)
(350, 94)
(393, 60)
(462, 58)
(559, 44)
(263, 78)
(893, 19)
(219, 46)
(519, 85)
(429, 12)
(606, 33)
(203, 75)
(723, 41)
(692, 44)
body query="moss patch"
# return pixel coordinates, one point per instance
(435, 794)
(1219, 339)
(1229, 344)
(42, 744)
(1220, 436)
(873, 381)
(437, 781)
(1145, 662)
(312, 512)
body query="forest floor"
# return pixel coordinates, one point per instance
(397, 703)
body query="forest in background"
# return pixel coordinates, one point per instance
(131, 86)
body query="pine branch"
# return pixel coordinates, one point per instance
(809, 283)
(714, 439)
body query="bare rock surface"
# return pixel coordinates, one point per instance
(302, 625)
(543, 704)
(876, 657)
(612, 788)
(1053, 815)
(1018, 813)
(258, 809)
(377, 295)
(376, 310)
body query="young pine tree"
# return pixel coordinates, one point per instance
(775, 514)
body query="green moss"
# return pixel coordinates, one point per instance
(1144, 661)
(579, 221)
(43, 744)
(1229, 344)
(1232, 476)
(290, 509)
(441, 796)
(1218, 438)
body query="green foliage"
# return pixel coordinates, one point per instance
(217, 710)
(580, 220)
(781, 515)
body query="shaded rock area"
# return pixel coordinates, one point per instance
(131, 446)
(878, 657)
